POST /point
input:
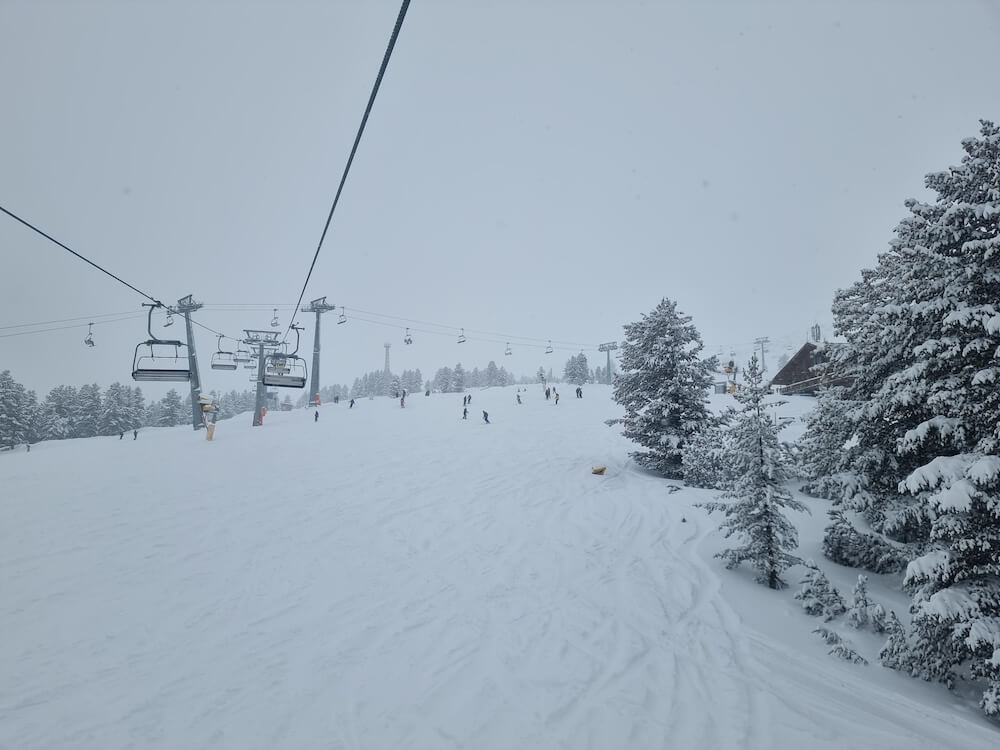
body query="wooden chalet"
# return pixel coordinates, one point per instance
(806, 372)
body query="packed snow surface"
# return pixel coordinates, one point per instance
(403, 578)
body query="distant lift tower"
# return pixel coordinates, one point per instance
(266, 343)
(608, 347)
(387, 345)
(186, 306)
(762, 342)
(319, 307)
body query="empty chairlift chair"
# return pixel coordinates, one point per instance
(223, 360)
(241, 355)
(160, 360)
(286, 370)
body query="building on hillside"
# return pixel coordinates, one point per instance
(807, 371)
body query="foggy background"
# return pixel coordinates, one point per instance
(531, 171)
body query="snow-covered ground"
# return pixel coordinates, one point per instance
(401, 578)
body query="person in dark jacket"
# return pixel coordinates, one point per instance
(486, 417)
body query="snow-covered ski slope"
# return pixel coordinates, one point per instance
(401, 578)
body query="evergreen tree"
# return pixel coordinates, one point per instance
(116, 410)
(844, 543)
(89, 410)
(858, 612)
(956, 447)
(172, 409)
(60, 416)
(759, 472)
(442, 380)
(818, 597)
(493, 377)
(663, 386)
(706, 457)
(895, 654)
(458, 379)
(137, 410)
(14, 426)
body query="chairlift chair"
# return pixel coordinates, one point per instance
(342, 318)
(461, 337)
(155, 364)
(274, 319)
(507, 352)
(407, 338)
(89, 341)
(548, 349)
(223, 360)
(242, 354)
(170, 319)
(286, 370)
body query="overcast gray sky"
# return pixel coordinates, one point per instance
(538, 169)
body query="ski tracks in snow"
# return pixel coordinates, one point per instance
(386, 578)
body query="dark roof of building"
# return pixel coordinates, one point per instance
(807, 370)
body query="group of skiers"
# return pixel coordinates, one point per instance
(550, 392)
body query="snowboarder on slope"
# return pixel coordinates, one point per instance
(486, 417)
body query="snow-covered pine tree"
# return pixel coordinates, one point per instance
(137, 410)
(877, 618)
(857, 613)
(882, 316)
(956, 585)
(818, 597)
(442, 380)
(458, 378)
(895, 654)
(828, 445)
(663, 385)
(706, 456)
(493, 375)
(89, 409)
(172, 409)
(116, 410)
(13, 417)
(845, 544)
(576, 370)
(757, 466)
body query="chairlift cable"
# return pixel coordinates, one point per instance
(66, 320)
(49, 237)
(350, 159)
(99, 268)
(131, 316)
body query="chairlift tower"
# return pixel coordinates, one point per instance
(762, 342)
(318, 306)
(266, 342)
(186, 306)
(387, 370)
(609, 347)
